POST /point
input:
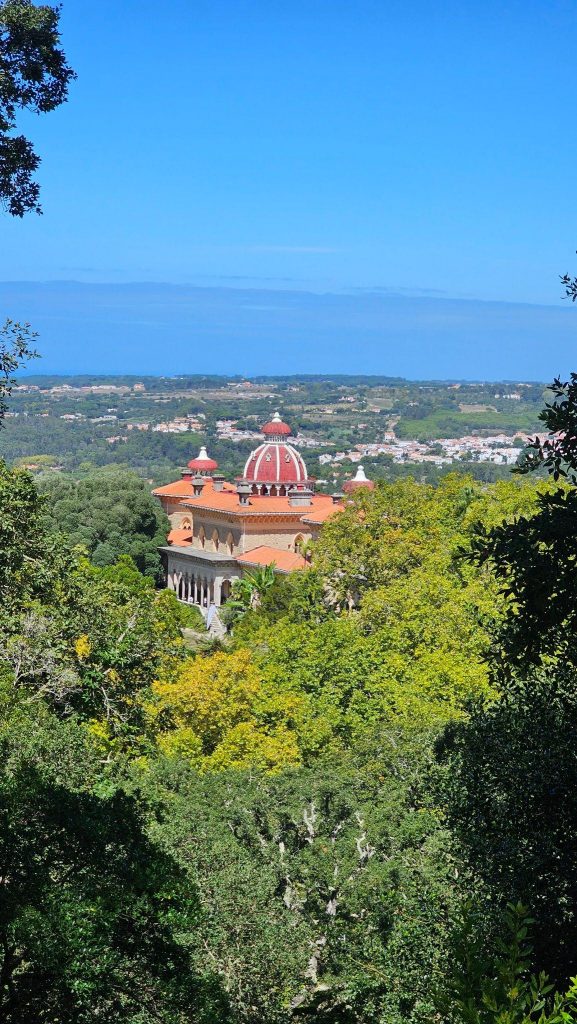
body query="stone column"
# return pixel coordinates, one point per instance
(217, 590)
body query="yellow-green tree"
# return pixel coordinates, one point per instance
(216, 714)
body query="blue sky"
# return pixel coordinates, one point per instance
(402, 172)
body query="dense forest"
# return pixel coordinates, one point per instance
(348, 809)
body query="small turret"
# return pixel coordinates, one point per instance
(203, 464)
(276, 429)
(360, 480)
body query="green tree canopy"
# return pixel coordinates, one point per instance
(110, 513)
(85, 640)
(34, 76)
(329, 891)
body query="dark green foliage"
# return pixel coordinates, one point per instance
(570, 284)
(95, 920)
(34, 76)
(25, 572)
(535, 558)
(500, 988)
(557, 453)
(512, 802)
(535, 561)
(513, 767)
(109, 513)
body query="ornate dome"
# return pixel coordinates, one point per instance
(276, 429)
(275, 462)
(360, 480)
(202, 463)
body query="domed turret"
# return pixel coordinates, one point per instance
(275, 462)
(275, 466)
(360, 480)
(275, 429)
(203, 464)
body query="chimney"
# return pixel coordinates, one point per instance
(337, 497)
(299, 498)
(198, 483)
(186, 473)
(243, 489)
(217, 481)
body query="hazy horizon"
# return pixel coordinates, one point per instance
(167, 329)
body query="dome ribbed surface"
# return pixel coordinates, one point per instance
(274, 462)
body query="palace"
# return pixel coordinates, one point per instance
(218, 529)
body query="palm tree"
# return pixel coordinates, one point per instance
(247, 593)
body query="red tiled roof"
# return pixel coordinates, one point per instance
(181, 538)
(183, 489)
(227, 501)
(179, 489)
(321, 515)
(284, 561)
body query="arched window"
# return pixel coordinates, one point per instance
(186, 524)
(225, 590)
(215, 539)
(230, 543)
(299, 543)
(201, 537)
(273, 491)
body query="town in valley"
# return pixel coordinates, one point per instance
(156, 424)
